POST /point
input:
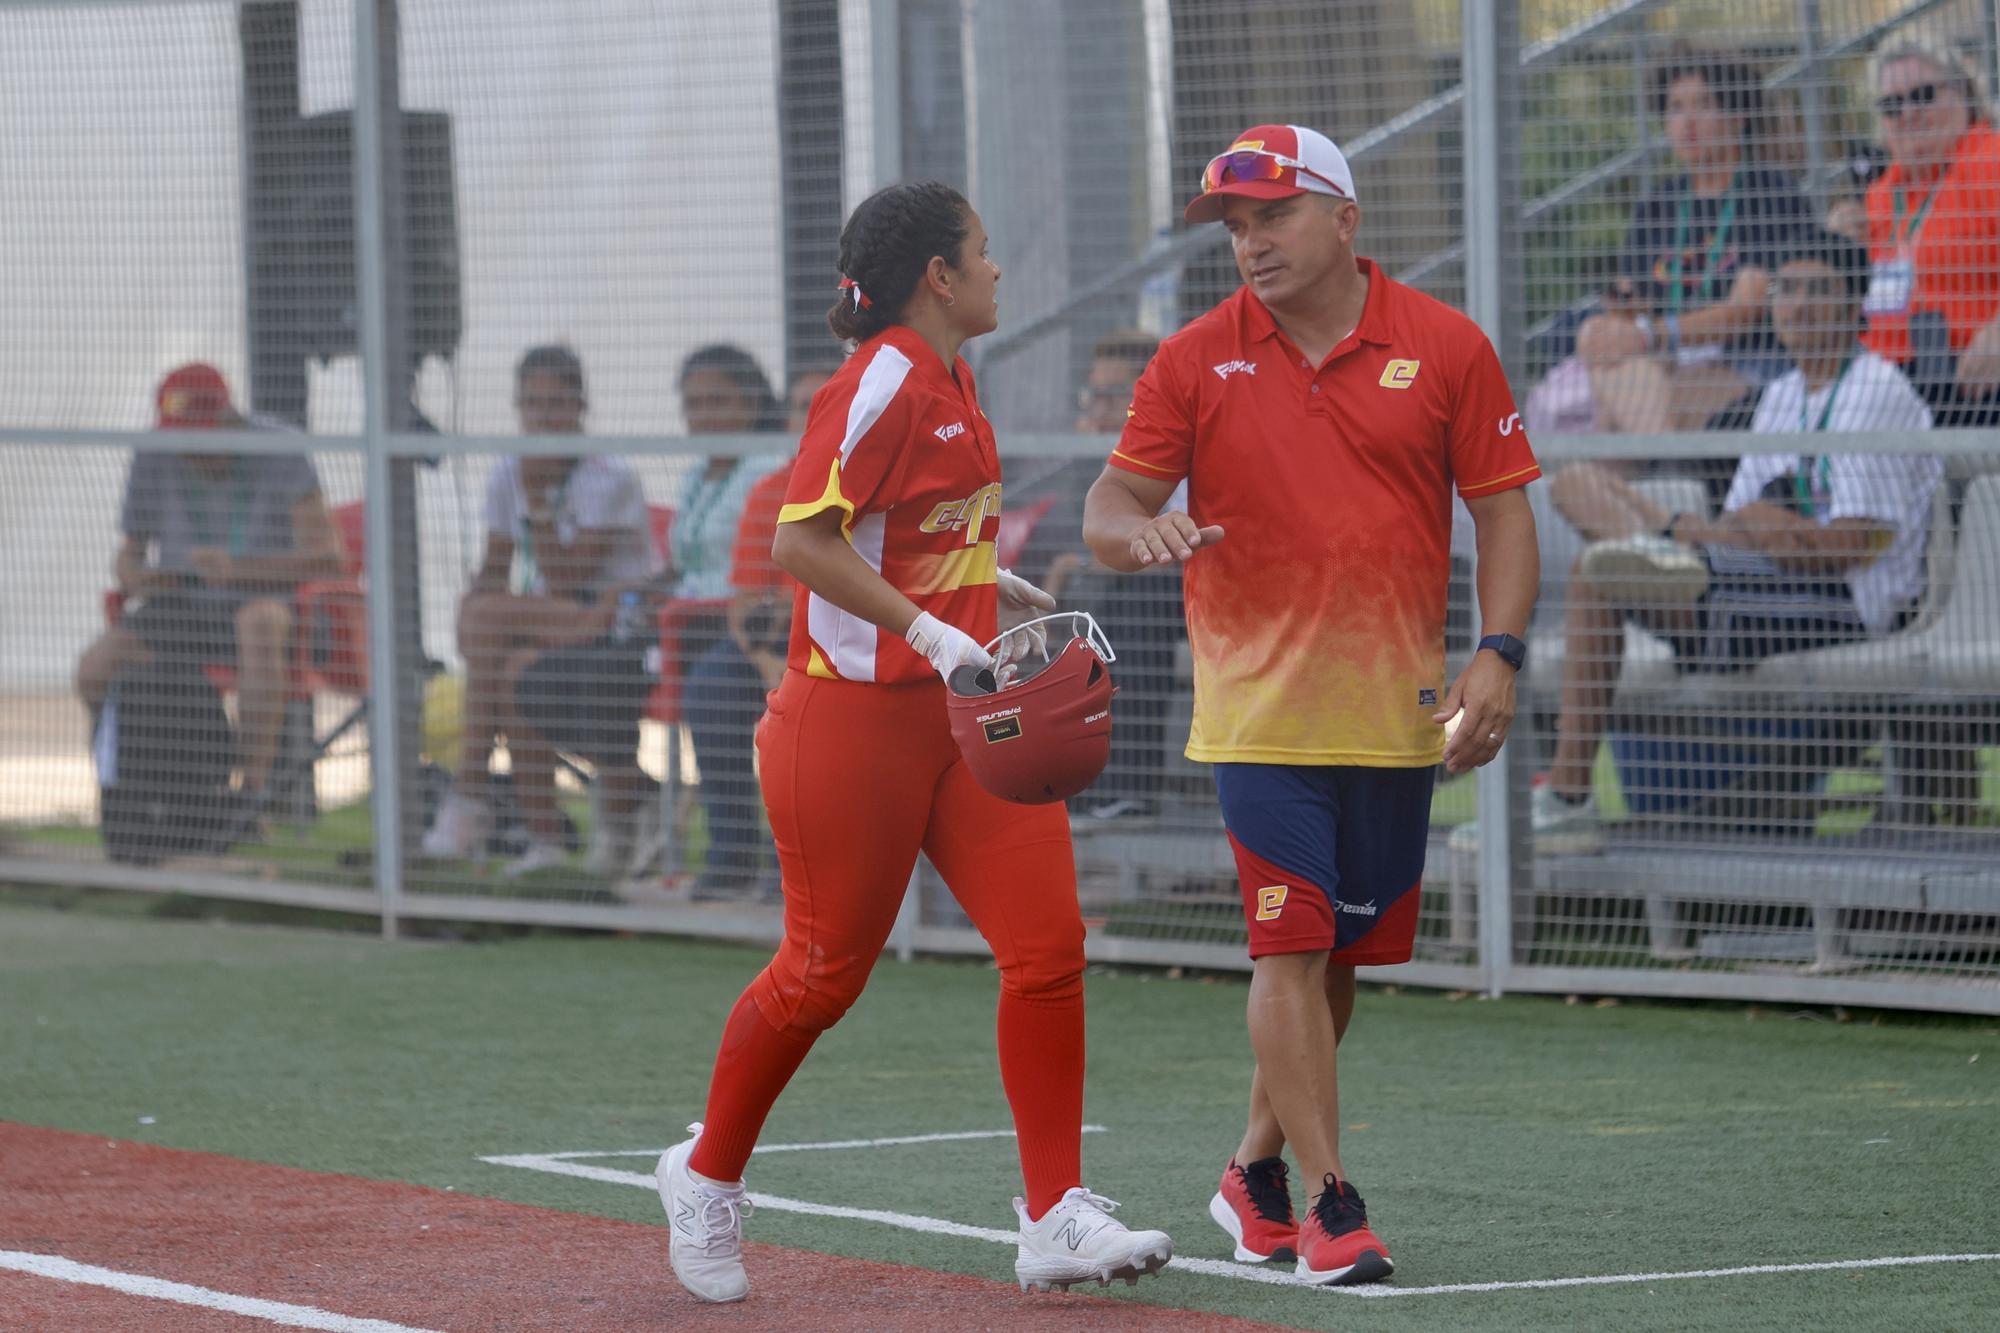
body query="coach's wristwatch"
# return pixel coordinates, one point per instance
(1510, 649)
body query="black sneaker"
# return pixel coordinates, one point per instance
(1336, 1248)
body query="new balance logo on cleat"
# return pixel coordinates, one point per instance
(1079, 1241)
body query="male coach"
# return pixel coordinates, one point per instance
(1321, 416)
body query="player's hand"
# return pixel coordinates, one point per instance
(1171, 537)
(946, 646)
(1485, 691)
(1021, 599)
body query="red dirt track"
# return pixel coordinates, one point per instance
(373, 1250)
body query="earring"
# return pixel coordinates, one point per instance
(949, 299)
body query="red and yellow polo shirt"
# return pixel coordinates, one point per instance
(1317, 624)
(902, 449)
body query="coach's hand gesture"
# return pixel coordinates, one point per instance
(1171, 537)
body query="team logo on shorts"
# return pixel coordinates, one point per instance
(1427, 698)
(1359, 909)
(1271, 901)
(1399, 374)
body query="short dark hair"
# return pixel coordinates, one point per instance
(1847, 259)
(1134, 345)
(744, 372)
(888, 242)
(1731, 82)
(552, 359)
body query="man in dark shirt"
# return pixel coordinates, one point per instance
(215, 545)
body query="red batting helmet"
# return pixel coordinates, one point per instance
(1045, 733)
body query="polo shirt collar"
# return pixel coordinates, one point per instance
(1377, 315)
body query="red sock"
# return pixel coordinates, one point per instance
(1041, 1065)
(752, 1067)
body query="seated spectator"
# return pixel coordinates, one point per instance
(1934, 231)
(724, 694)
(723, 392)
(1847, 196)
(1141, 613)
(565, 536)
(216, 544)
(1684, 333)
(1810, 550)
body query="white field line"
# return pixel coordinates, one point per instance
(159, 1289)
(555, 1164)
(762, 1148)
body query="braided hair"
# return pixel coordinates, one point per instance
(888, 242)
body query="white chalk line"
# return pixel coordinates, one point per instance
(1277, 1277)
(138, 1284)
(828, 1145)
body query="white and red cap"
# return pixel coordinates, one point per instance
(1271, 162)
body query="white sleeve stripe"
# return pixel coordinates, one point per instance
(879, 383)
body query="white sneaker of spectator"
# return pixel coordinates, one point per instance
(649, 837)
(610, 844)
(1645, 570)
(458, 832)
(1561, 828)
(540, 855)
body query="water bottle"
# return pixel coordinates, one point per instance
(630, 622)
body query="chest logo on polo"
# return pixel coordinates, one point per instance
(1228, 368)
(955, 429)
(969, 514)
(1399, 374)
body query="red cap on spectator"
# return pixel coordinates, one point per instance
(194, 397)
(1271, 162)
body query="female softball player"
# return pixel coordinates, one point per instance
(889, 527)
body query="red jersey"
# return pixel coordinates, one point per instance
(1317, 624)
(900, 447)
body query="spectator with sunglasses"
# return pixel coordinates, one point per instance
(1685, 333)
(1810, 550)
(1934, 231)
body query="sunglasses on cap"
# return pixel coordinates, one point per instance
(1246, 165)
(1895, 104)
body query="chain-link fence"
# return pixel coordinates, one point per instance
(398, 402)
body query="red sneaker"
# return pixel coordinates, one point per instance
(1336, 1248)
(1254, 1205)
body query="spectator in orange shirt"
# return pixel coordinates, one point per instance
(724, 692)
(1934, 231)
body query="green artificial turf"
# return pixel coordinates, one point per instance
(1500, 1141)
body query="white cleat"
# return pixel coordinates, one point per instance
(707, 1225)
(1079, 1241)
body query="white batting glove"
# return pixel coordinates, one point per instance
(946, 646)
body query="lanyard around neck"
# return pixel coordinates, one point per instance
(690, 546)
(531, 568)
(1907, 237)
(237, 523)
(1684, 223)
(1803, 486)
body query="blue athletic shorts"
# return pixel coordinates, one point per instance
(1329, 857)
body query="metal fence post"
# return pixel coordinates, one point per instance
(371, 292)
(1491, 111)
